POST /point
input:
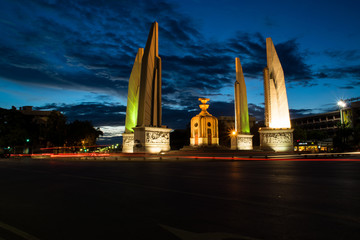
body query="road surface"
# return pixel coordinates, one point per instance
(192, 199)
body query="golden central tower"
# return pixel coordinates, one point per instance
(204, 127)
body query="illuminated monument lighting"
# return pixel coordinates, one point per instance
(132, 103)
(204, 127)
(278, 133)
(242, 127)
(144, 102)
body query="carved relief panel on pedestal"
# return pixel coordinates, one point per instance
(157, 137)
(277, 138)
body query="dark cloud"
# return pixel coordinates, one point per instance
(221, 108)
(343, 55)
(91, 45)
(329, 107)
(351, 73)
(251, 48)
(269, 22)
(321, 75)
(176, 119)
(113, 115)
(256, 111)
(185, 100)
(343, 72)
(293, 63)
(347, 87)
(197, 72)
(297, 113)
(100, 114)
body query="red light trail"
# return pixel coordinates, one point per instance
(140, 156)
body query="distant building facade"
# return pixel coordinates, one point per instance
(326, 123)
(38, 117)
(330, 121)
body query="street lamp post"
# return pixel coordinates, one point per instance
(342, 105)
(233, 139)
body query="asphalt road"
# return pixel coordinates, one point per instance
(190, 200)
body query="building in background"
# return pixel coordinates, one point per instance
(38, 117)
(317, 132)
(24, 129)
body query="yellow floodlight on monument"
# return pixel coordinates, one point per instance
(277, 135)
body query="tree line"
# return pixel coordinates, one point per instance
(18, 129)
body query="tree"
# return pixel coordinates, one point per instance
(356, 138)
(82, 133)
(300, 134)
(56, 129)
(14, 128)
(317, 135)
(343, 137)
(34, 131)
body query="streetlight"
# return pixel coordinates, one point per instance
(233, 139)
(342, 105)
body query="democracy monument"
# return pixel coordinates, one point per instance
(277, 135)
(204, 127)
(144, 131)
(243, 138)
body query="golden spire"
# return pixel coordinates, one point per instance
(204, 106)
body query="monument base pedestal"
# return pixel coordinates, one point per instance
(128, 142)
(204, 142)
(151, 139)
(276, 139)
(244, 142)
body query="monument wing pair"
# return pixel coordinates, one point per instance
(144, 91)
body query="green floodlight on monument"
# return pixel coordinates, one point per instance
(143, 113)
(132, 111)
(133, 93)
(241, 138)
(242, 125)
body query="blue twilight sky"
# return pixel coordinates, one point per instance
(76, 56)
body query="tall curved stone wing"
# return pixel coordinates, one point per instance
(241, 105)
(150, 83)
(133, 93)
(276, 102)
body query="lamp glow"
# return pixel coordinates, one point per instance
(341, 103)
